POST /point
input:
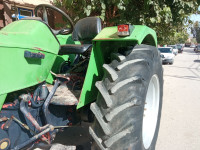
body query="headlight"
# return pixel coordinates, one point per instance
(162, 56)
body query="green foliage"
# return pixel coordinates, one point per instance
(178, 37)
(195, 30)
(167, 17)
(193, 40)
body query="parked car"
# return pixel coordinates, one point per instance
(167, 55)
(175, 49)
(180, 48)
(187, 44)
(183, 45)
(197, 49)
(192, 46)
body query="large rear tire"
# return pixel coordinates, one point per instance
(128, 107)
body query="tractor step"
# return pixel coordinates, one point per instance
(64, 96)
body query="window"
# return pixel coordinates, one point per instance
(22, 13)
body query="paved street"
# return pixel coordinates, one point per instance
(180, 122)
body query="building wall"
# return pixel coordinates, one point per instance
(5, 8)
(2, 19)
(7, 13)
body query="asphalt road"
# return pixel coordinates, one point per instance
(180, 122)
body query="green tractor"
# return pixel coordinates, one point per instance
(110, 77)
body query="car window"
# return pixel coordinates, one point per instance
(173, 46)
(165, 50)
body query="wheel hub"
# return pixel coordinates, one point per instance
(151, 109)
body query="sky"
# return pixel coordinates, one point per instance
(195, 17)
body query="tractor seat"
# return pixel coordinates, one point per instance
(73, 49)
(85, 31)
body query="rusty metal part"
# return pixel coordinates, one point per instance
(7, 124)
(27, 128)
(24, 125)
(25, 97)
(60, 76)
(35, 123)
(34, 138)
(3, 119)
(37, 48)
(24, 110)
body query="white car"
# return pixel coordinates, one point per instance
(167, 55)
(175, 49)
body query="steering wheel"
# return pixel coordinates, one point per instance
(63, 31)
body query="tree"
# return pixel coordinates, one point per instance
(167, 17)
(195, 30)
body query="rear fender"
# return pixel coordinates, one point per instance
(105, 43)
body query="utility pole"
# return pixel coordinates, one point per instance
(2, 18)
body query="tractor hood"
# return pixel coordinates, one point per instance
(29, 34)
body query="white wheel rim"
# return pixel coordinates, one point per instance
(151, 111)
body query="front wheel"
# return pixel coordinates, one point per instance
(128, 107)
(171, 63)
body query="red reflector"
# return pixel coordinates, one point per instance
(123, 28)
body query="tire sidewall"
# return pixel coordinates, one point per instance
(157, 67)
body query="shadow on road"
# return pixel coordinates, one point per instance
(75, 136)
(197, 60)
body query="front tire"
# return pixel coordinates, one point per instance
(171, 63)
(128, 107)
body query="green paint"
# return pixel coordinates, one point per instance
(65, 39)
(29, 34)
(94, 73)
(17, 72)
(138, 34)
(2, 100)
